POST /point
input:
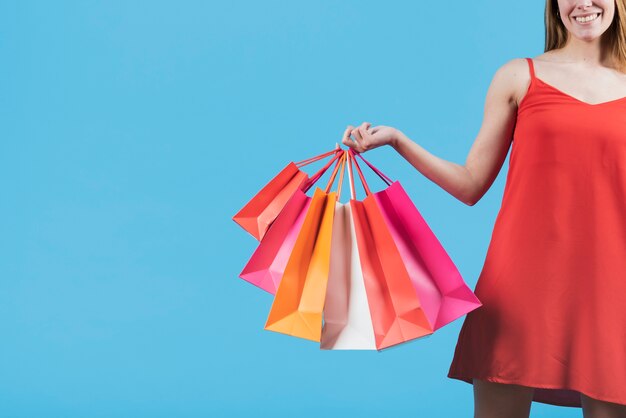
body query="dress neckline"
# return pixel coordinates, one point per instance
(576, 99)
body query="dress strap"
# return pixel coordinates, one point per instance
(531, 67)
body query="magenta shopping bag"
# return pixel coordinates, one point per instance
(441, 288)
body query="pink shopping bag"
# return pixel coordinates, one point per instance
(266, 266)
(443, 293)
(396, 309)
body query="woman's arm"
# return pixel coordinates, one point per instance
(468, 182)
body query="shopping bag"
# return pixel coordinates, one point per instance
(396, 310)
(259, 213)
(347, 322)
(267, 264)
(299, 300)
(442, 291)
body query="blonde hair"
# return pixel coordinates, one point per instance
(613, 41)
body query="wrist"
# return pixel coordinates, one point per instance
(397, 138)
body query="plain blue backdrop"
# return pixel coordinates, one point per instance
(132, 131)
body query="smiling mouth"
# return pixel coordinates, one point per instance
(587, 19)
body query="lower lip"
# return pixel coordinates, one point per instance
(588, 23)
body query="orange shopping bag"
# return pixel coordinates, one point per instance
(259, 213)
(299, 301)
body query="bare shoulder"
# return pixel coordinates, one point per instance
(495, 136)
(512, 80)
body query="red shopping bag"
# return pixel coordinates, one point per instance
(443, 293)
(396, 311)
(266, 266)
(259, 213)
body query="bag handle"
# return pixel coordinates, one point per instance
(380, 174)
(339, 166)
(343, 170)
(351, 176)
(358, 169)
(316, 158)
(311, 181)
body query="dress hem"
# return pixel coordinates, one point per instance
(495, 379)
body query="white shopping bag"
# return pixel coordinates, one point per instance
(347, 320)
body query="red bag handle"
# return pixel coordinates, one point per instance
(380, 174)
(352, 159)
(309, 183)
(316, 158)
(344, 157)
(363, 182)
(334, 174)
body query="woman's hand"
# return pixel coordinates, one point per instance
(367, 138)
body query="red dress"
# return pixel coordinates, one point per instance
(553, 285)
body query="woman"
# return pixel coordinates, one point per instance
(552, 327)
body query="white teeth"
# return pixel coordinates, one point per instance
(587, 18)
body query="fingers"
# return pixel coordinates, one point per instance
(349, 141)
(345, 139)
(358, 140)
(356, 137)
(363, 130)
(361, 136)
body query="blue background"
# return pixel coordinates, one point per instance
(133, 131)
